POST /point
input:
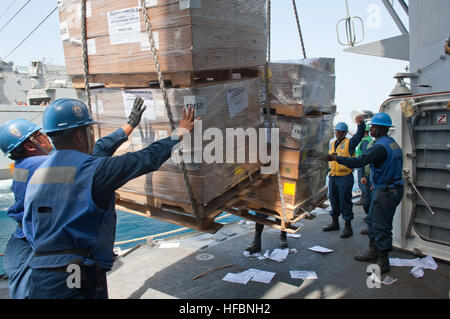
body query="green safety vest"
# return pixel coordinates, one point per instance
(358, 150)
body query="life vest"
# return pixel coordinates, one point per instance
(342, 150)
(23, 170)
(389, 174)
(65, 222)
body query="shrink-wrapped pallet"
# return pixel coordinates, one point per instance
(226, 105)
(303, 169)
(189, 35)
(299, 87)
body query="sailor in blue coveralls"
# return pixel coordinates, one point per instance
(28, 147)
(70, 216)
(386, 159)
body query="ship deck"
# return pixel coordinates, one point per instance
(151, 272)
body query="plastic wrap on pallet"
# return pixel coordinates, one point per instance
(303, 169)
(233, 104)
(306, 82)
(190, 35)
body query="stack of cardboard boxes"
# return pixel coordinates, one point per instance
(302, 107)
(191, 36)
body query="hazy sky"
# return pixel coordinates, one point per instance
(362, 82)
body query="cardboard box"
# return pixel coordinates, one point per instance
(216, 35)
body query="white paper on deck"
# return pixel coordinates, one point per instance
(303, 274)
(320, 249)
(169, 245)
(277, 254)
(128, 100)
(259, 275)
(237, 278)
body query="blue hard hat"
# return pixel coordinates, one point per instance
(15, 132)
(382, 119)
(341, 126)
(64, 114)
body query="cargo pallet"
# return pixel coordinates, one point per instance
(233, 201)
(173, 79)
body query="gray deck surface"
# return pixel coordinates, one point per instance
(168, 273)
(155, 273)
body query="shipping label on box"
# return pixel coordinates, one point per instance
(198, 102)
(64, 31)
(299, 131)
(237, 99)
(128, 100)
(190, 4)
(124, 26)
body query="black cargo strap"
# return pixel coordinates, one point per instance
(78, 252)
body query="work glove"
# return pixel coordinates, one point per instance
(136, 112)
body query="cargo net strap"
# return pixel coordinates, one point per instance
(267, 107)
(166, 103)
(85, 54)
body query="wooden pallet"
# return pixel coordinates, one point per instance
(173, 79)
(180, 213)
(294, 110)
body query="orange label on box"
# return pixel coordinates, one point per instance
(289, 188)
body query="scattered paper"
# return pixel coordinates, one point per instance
(302, 274)
(418, 264)
(169, 245)
(277, 254)
(259, 275)
(255, 255)
(417, 272)
(386, 281)
(237, 278)
(320, 249)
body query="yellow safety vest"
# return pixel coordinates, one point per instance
(342, 150)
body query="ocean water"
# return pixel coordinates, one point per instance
(129, 226)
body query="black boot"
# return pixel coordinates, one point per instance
(383, 261)
(255, 246)
(347, 230)
(370, 256)
(283, 240)
(333, 226)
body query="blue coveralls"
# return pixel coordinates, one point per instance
(18, 251)
(386, 161)
(340, 187)
(70, 216)
(365, 188)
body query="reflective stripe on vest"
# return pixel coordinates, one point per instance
(342, 150)
(54, 175)
(23, 170)
(20, 175)
(62, 215)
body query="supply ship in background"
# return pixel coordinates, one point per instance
(419, 112)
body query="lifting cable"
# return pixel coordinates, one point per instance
(85, 54)
(167, 104)
(14, 15)
(267, 102)
(299, 29)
